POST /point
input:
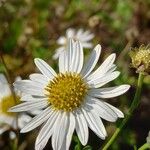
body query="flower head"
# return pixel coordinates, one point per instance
(141, 58)
(7, 100)
(80, 35)
(72, 99)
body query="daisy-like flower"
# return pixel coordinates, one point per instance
(83, 36)
(8, 119)
(71, 99)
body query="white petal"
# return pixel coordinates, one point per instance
(102, 109)
(61, 40)
(30, 87)
(109, 92)
(104, 67)
(112, 68)
(58, 52)
(69, 53)
(26, 97)
(98, 82)
(87, 37)
(4, 87)
(23, 119)
(60, 131)
(65, 59)
(29, 105)
(70, 33)
(62, 62)
(45, 68)
(37, 77)
(37, 120)
(82, 128)
(6, 119)
(77, 58)
(95, 124)
(92, 61)
(46, 132)
(3, 79)
(116, 110)
(87, 45)
(79, 33)
(70, 130)
(3, 129)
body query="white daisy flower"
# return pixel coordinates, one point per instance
(80, 35)
(72, 99)
(8, 119)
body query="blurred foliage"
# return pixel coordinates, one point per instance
(30, 28)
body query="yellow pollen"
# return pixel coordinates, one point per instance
(66, 92)
(8, 102)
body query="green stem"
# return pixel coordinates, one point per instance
(145, 146)
(133, 106)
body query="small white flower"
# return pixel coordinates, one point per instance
(80, 35)
(8, 119)
(72, 99)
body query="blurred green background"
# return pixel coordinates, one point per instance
(30, 28)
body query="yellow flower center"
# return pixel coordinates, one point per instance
(8, 102)
(66, 92)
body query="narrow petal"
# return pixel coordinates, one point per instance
(45, 68)
(30, 87)
(82, 128)
(102, 109)
(77, 58)
(62, 62)
(87, 45)
(46, 132)
(87, 37)
(70, 33)
(4, 87)
(98, 82)
(40, 78)
(58, 51)
(61, 40)
(3, 129)
(116, 110)
(23, 119)
(70, 130)
(37, 120)
(104, 67)
(3, 79)
(95, 124)
(7, 119)
(112, 68)
(70, 49)
(29, 105)
(60, 131)
(92, 61)
(27, 97)
(79, 34)
(109, 92)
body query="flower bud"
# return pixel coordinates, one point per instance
(141, 59)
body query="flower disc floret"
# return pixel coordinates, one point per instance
(66, 92)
